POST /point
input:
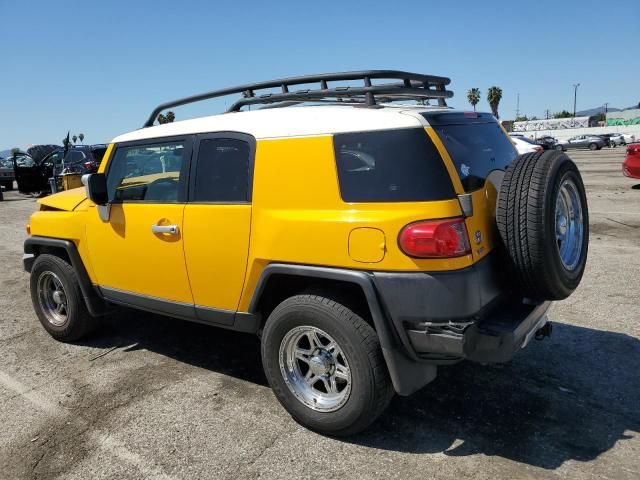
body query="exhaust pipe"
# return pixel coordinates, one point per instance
(545, 331)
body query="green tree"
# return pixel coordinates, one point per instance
(473, 96)
(168, 118)
(74, 139)
(81, 137)
(562, 114)
(494, 95)
(522, 118)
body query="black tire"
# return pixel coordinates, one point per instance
(593, 146)
(526, 221)
(78, 321)
(8, 186)
(559, 148)
(371, 388)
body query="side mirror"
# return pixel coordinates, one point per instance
(96, 186)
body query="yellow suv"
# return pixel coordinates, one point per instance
(366, 237)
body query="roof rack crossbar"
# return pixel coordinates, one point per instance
(411, 86)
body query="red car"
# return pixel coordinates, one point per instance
(631, 164)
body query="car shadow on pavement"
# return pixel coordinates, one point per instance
(571, 397)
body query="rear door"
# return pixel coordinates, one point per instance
(480, 152)
(217, 221)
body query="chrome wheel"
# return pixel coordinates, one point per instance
(569, 224)
(315, 368)
(52, 299)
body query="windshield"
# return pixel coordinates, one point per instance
(476, 144)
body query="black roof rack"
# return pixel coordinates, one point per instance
(412, 86)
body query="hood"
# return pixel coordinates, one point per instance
(67, 200)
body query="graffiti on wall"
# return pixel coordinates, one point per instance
(551, 124)
(624, 118)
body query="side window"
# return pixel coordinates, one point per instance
(76, 156)
(149, 173)
(222, 172)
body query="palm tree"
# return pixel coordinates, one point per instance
(81, 137)
(473, 95)
(168, 118)
(74, 138)
(494, 95)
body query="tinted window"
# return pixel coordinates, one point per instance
(76, 156)
(146, 173)
(222, 172)
(390, 166)
(475, 146)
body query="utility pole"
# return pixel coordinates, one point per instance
(575, 97)
(518, 106)
(546, 114)
(606, 105)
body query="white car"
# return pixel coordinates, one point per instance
(616, 139)
(525, 145)
(628, 138)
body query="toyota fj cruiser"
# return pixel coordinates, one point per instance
(366, 241)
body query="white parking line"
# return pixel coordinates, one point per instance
(106, 442)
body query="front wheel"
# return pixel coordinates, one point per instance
(325, 365)
(57, 299)
(593, 146)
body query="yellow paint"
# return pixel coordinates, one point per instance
(67, 200)
(128, 256)
(298, 215)
(367, 245)
(216, 245)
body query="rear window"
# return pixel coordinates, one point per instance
(476, 144)
(390, 166)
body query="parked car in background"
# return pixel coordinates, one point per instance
(628, 138)
(6, 173)
(525, 145)
(616, 139)
(631, 164)
(591, 142)
(547, 142)
(33, 176)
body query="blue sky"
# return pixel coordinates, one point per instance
(101, 66)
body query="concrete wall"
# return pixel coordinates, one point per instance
(567, 133)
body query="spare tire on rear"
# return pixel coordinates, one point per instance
(543, 221)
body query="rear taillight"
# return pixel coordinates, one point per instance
(435, 239)
(538, 149)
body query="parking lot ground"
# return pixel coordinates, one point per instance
(152, 397)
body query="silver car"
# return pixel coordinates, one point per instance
(581, 141)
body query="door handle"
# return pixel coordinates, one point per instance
(170, 229)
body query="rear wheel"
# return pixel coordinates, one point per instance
(325, 366)
(57, 299)
(559, 148)
(8, 186)
(593, 146)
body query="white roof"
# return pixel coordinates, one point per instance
(292, 122)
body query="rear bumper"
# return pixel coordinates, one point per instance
(493, 339)
(468, 314)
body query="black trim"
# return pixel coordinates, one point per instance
(93, 299)
(239, 321)
(183, 185)
(406, 373)
(248, 139)
(411, 86)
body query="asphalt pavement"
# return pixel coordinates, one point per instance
(152, 397)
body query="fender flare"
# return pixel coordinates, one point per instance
(406, 374)
(94, 301)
